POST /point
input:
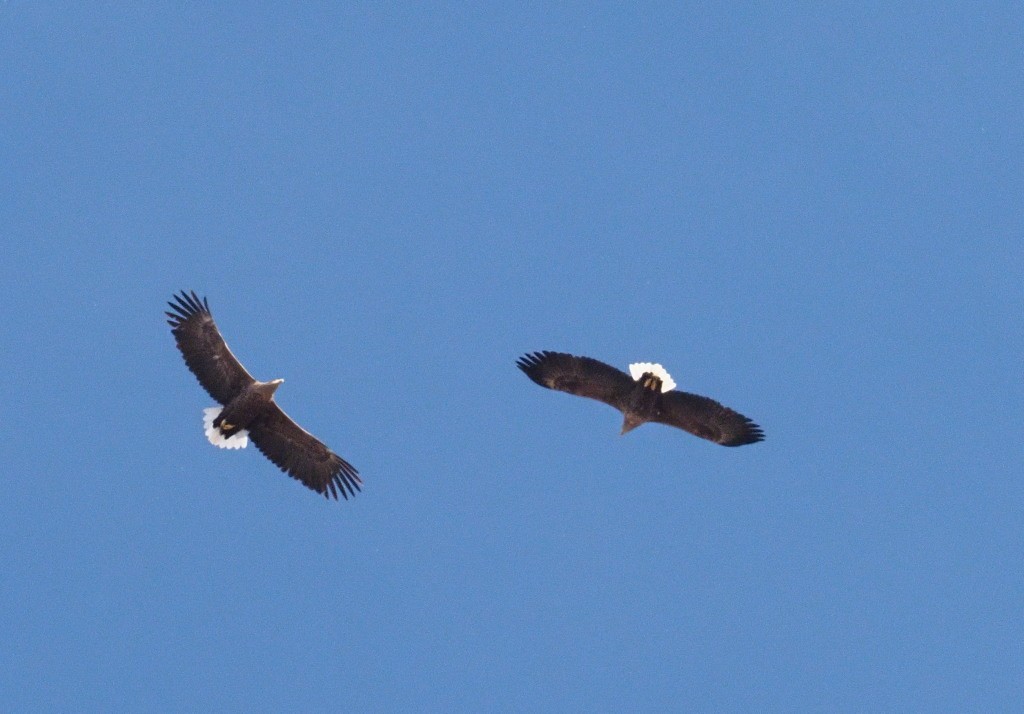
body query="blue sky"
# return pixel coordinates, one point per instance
(812, 214)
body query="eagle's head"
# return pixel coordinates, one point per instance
(268, 388)
(632, 421)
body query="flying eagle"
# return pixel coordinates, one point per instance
(648, 395)
(248, 408)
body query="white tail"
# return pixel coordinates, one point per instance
(638, 369)
(236, 441)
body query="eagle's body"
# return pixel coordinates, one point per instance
(647, 396)
(641, 402)
(248, 408)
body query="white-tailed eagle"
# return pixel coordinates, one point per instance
(248, 410)
(648, 395)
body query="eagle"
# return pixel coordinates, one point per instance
(248, 410)
(646, 394)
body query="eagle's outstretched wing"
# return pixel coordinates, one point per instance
(205, 351)
(707, 419)
(582, 376)
(302, 456)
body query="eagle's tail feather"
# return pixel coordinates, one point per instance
(235, 441)
(638, 369)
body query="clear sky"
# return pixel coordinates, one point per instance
(812, 214)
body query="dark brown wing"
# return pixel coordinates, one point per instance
(302, 456)
(205, 351)
(707, 419)
(582, 376)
